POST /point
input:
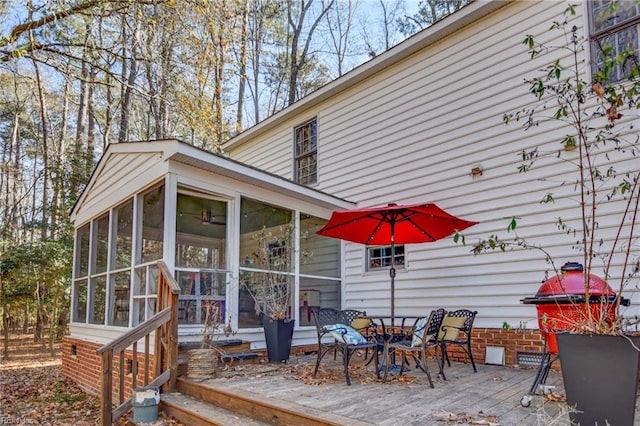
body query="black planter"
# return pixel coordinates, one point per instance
(600, 375)
(278, 335)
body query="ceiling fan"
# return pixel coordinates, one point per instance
(209, 219)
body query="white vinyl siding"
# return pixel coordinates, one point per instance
(414, 131)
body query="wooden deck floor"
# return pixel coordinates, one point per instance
(490, 396)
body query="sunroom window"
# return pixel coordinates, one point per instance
(201, 261)
(306, 153)
(260, 220)
(615, 26)
(104, 263)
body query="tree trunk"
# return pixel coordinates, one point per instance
(242, 66)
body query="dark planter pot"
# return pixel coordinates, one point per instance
(278, 335)
(600, 375)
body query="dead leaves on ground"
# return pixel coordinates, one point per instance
(466, 418)
(43, 396)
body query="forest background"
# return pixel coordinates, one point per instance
(77, 75)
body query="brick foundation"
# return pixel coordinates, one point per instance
(511, 340)
(82, 364)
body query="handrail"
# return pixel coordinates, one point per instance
(165, 326)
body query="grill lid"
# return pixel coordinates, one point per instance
(568, 287)
(571, 282)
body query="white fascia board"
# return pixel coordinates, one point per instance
(188, 154)
(461, 18)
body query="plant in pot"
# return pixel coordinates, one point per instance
(597, 192)
(271, 288)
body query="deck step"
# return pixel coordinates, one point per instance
(228, 346)
(259, 408)
(193, 412)
(246, 357)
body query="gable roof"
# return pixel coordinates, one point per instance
(459, 19)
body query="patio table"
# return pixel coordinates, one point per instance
(385, 333)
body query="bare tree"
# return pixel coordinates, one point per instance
(299, 46)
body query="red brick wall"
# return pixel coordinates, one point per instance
(511, 340)
(84, 368)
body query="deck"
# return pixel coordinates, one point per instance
(491, 396)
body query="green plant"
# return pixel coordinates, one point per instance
(598, 119)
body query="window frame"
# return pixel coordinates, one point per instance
(614, 30)
(385, 265)
(311, 154)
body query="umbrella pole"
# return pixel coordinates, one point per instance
(392, 273)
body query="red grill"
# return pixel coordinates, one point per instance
(560, 302)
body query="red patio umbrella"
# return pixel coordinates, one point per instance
(391, 224)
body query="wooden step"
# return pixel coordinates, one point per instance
(229, 346)
(193, 412)
(242, 358)
(260, 408)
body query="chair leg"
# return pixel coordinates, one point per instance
(346, 357)
(425, 367)
(470, 353)
(440, 363)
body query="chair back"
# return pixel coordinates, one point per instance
(424, 331)
(467, 326)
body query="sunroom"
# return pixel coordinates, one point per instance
(199, 213)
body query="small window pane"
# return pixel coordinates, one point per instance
(152, 224)
(82, 251)
(140, 282)
(97, 300)
(101, 247)
(80, 301)
(123, 216)
(120, 299)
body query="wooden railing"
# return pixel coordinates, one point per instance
(165, 325)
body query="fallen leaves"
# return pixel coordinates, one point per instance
(41, 395)
(466, 418)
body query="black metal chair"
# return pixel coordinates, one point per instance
(423, 337)
(456, 330)
(335, 334)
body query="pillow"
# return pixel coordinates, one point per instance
(419, 331)
(359, 323)
(450, 328)
(345, 334)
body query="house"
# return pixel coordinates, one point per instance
(422, 122)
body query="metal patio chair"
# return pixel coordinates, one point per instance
(456, 330)
(423, 338)
(336, 334)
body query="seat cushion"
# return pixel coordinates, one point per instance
(450, 328)
(345, 334)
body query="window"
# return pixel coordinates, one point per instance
(306, 153)
(201, 263)
(614, 31)
(380, 257)
(319, 270)
(152, 225)
(104, 265)
(265, 261)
